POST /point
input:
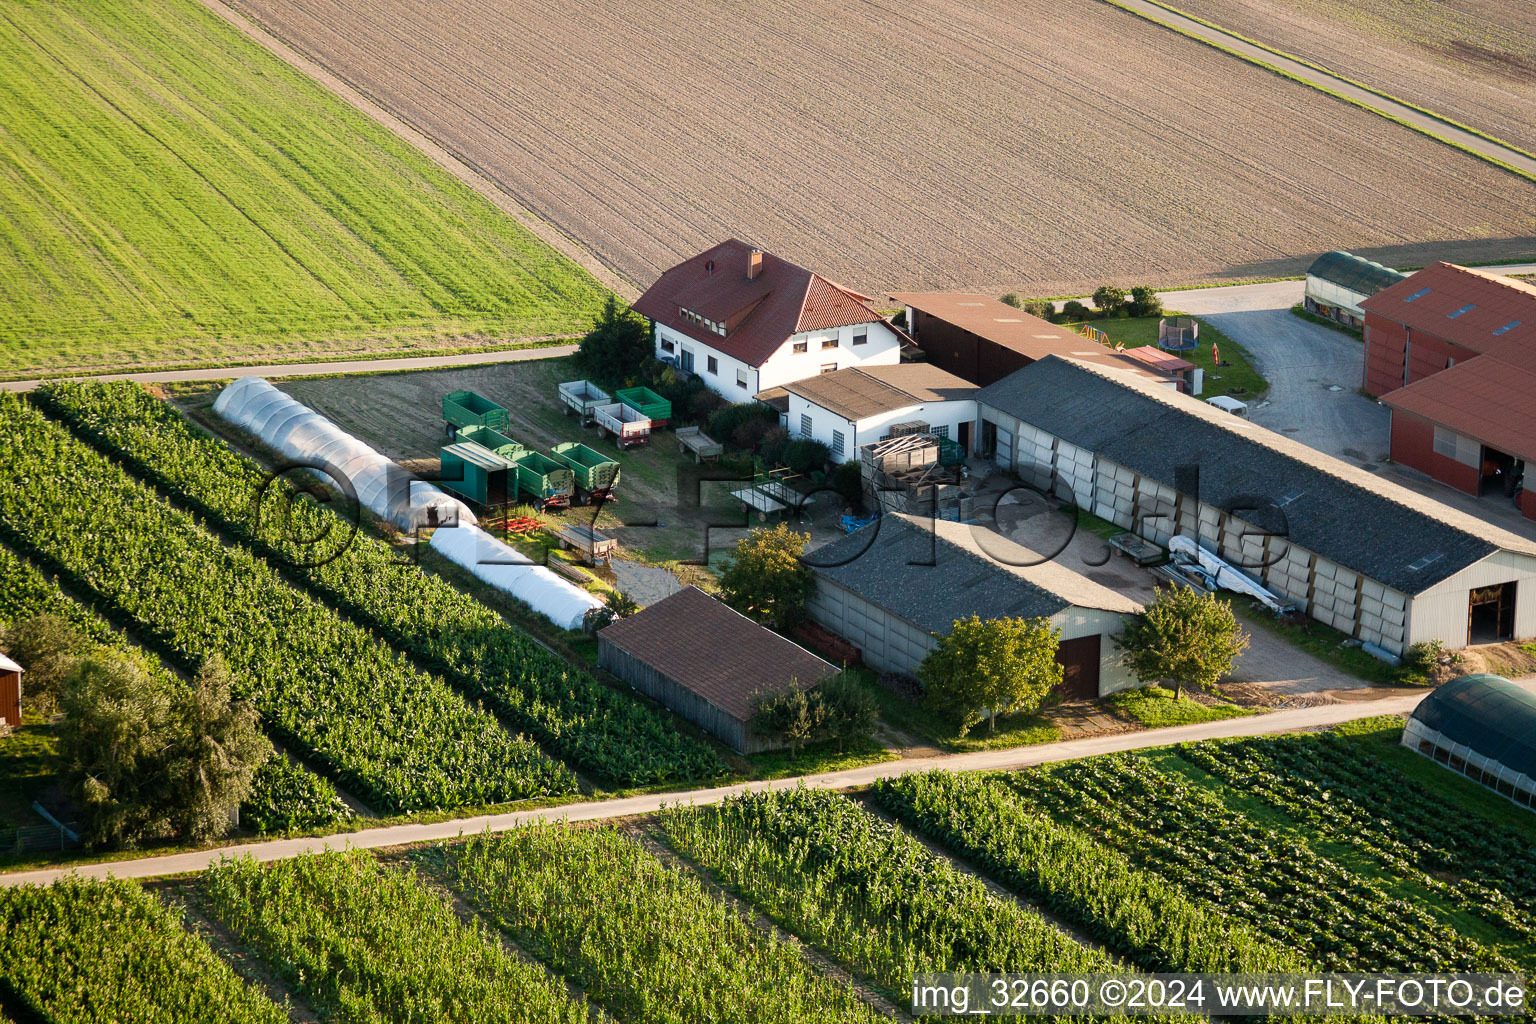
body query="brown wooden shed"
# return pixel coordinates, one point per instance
(706, 661)
(10, 692)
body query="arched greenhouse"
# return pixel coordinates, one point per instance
(1484, 727)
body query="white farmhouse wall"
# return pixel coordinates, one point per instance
(824, 422)
(883, 348)
(724, 380)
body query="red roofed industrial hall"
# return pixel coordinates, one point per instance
(1452, 352)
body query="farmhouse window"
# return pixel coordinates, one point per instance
(837, 441)
(828, 367)
(800, 346)
(861, 336)
(713, 365)
(805, 425)
(829, 343)
(741, 378)
(942, 431)
(667, 346)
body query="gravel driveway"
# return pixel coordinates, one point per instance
(1313, 371)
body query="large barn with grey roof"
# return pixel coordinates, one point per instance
(894, 587)
(1366, 556)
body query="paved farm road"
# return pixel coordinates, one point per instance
(1303, 362)
(1333, 83)
(1358, 704)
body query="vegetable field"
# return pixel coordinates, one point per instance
(364, 942)
(866, 893)
(599, 730)
(172, 192)
(110, 953)
(1134, 913)
(399, 738)
(646, 941)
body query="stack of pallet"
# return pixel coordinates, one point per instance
(904, 474)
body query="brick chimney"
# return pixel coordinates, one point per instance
(754, 264)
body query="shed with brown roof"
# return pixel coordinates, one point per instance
(984, 340)
(707, 662)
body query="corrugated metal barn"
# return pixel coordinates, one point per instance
(707, 662)
(1366, 556)
(894, 587)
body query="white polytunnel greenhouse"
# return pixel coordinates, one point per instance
(299, 433)
(511, 571)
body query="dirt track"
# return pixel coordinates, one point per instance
(1037, 144)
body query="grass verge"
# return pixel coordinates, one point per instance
(1155, 707)
(1303, 313)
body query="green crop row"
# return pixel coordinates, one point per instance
(600, 730)
(1337, 787)
(283, 795)
(362, 942)
(1335, 918)
(108, 952)
(399, 738)
(867, 893)
(646, 941)
(1134, 913)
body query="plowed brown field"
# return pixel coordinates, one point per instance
(1471, 60)
(1035, 144)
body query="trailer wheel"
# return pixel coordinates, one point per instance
(448, 429)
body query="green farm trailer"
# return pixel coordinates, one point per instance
(495, 440)
(466, 409)
(597, 476)
(478, 474)
(544, 481)
(656, 409)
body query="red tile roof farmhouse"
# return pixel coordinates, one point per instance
(759, 307)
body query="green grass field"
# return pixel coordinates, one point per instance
(170, 192)
(1236, 375)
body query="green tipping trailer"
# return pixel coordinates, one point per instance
(544, 481)
(656, 409)
(466, 409)
(478, 474)
(495, 440)
(595, 472)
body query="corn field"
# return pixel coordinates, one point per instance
(648, 942)
(362, 942)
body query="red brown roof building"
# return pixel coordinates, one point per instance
(708, 662)
(984, 340)
(745, 320)
(1452, 352)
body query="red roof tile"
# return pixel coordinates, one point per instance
(1483, 397)
(715, 651)
(759, 313)
(1465, 306)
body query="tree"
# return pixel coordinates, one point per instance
(767, 581)
(1073, 311)
(992, 667)
(1013, 299)
(837, 708)
(1041, 308)
(1109, 299)
(1144, 302)
(47, 646)
(616, 346)
(148, 761)
(1186, 637)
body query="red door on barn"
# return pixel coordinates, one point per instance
(1079, 659)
